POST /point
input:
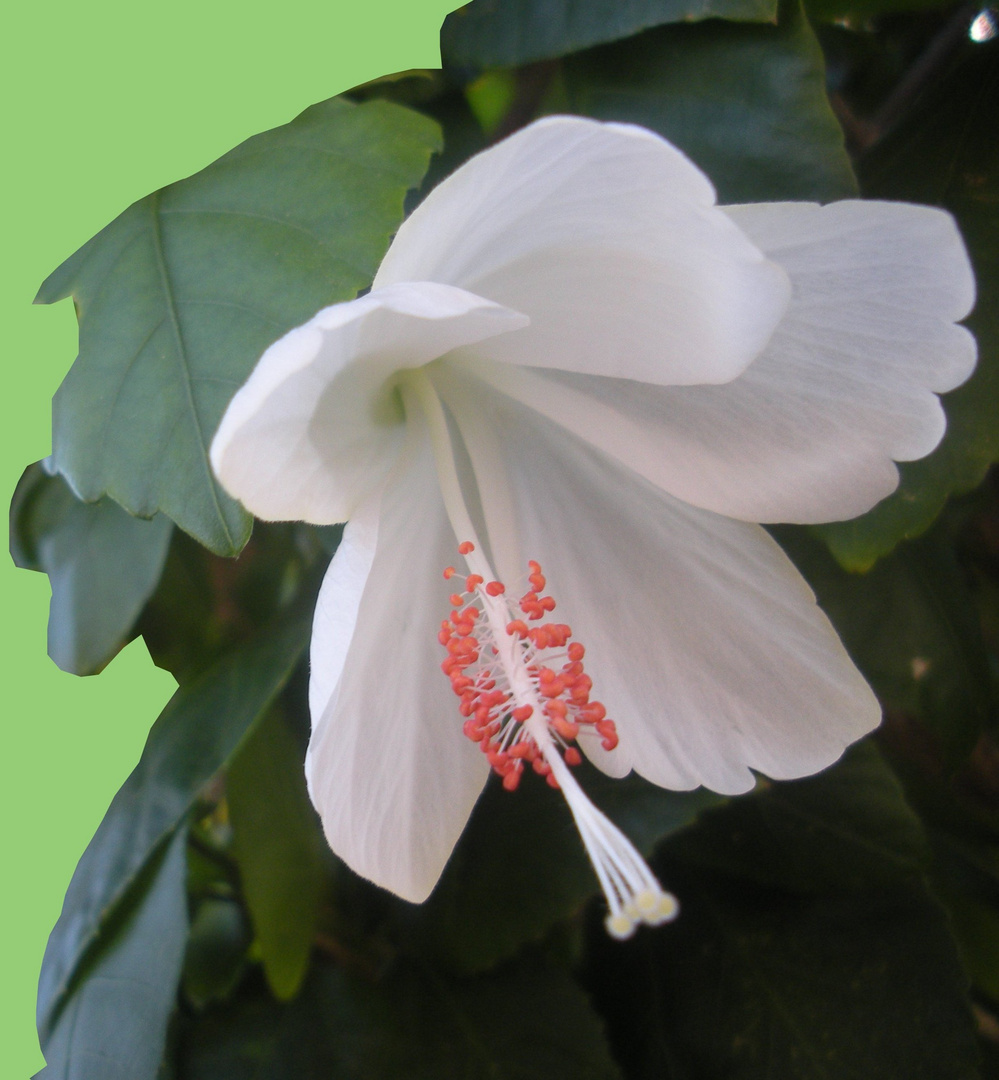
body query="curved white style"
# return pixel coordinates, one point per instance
(570, 354)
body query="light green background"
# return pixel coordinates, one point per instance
(106, 101)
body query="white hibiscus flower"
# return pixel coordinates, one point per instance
(571, 357)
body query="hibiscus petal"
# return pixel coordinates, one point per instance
(703, 641)
(609, 239)
(318, 424)
(846, 386)
(389, 770)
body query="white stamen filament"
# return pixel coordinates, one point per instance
(632, 891)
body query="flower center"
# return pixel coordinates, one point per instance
(524, 689)
(524, 694)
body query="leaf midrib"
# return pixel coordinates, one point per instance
(186, 379)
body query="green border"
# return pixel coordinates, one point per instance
(105, 102)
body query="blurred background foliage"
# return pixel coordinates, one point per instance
(845, 925)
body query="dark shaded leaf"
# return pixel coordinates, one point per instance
(857, 10)
(113, 1027)
(807, 946)
(520, 866)
(526, 1022)
(179, 296)
(753, 983)
(216, 951)
(910, 625)
(847, 828)
(746, 103)
(945, 153)
(505, 33)
(102, 563)
(280, 849)
(196, 734)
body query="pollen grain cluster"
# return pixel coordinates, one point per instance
(506, 681)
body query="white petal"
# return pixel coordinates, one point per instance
(338, 604)
(389, 770)
(703, 641)
(317, 426)
(846, 386)
(609, 239)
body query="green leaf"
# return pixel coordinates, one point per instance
(216, 951)
(102, 565)
(946, 154)
(113, 1027)
(526, 1022)
(858, 11)
(910, 625)
(504, 33)
(753, 983)
(196, 734)
(520, 866)
(976, 927)
(847, 828)
(807, 946)
(279, 846)
(178, 297)
(746, 103)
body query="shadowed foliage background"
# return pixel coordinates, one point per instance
(838, 926)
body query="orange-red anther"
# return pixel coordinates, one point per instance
(551, 781)
(566, 728)
(449, 572)
(592, 713)
(481, 681)
(607, 729)
(534, 566)
(466, 547)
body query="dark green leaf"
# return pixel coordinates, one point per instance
(847, 828)
(910, 625)
(520, 866)
(807, 947)
(197, 733)
(179, 296)
(113, 1027)
(945, 153)
(747, 103)
(279, 846)
(526, 1022)
(504, 33)
(216, 951)
(858, 10)
(976, 927)
(752, 983)
(102, 564)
